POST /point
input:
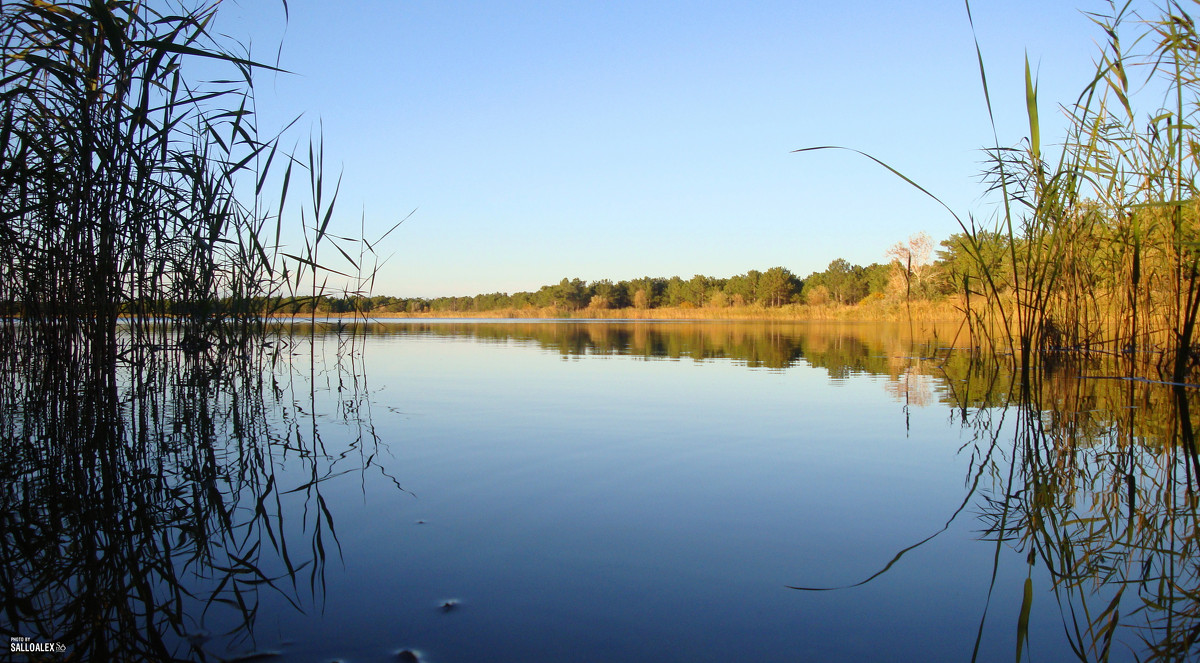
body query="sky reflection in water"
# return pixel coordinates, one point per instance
(607, 507)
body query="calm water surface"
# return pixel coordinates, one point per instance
(482, 491)
(609, 507)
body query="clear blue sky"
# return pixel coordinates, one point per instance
(542, 140)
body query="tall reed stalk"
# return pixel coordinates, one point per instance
(127, 189)
(1101, 242)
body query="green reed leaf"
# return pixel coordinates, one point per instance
(1023, 618)
(1031, 108)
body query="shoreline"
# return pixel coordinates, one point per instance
(943, 312)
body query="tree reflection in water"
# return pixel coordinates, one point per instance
(143, 509)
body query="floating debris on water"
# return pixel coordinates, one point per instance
(254, 656)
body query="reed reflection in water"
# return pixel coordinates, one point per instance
(565, 482)
(1098, 488)
(146, 512)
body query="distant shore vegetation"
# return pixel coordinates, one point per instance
(916, 275)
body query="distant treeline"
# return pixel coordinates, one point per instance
(910, 275)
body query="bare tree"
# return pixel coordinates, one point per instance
(913, 259)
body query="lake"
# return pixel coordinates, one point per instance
(600, 491)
